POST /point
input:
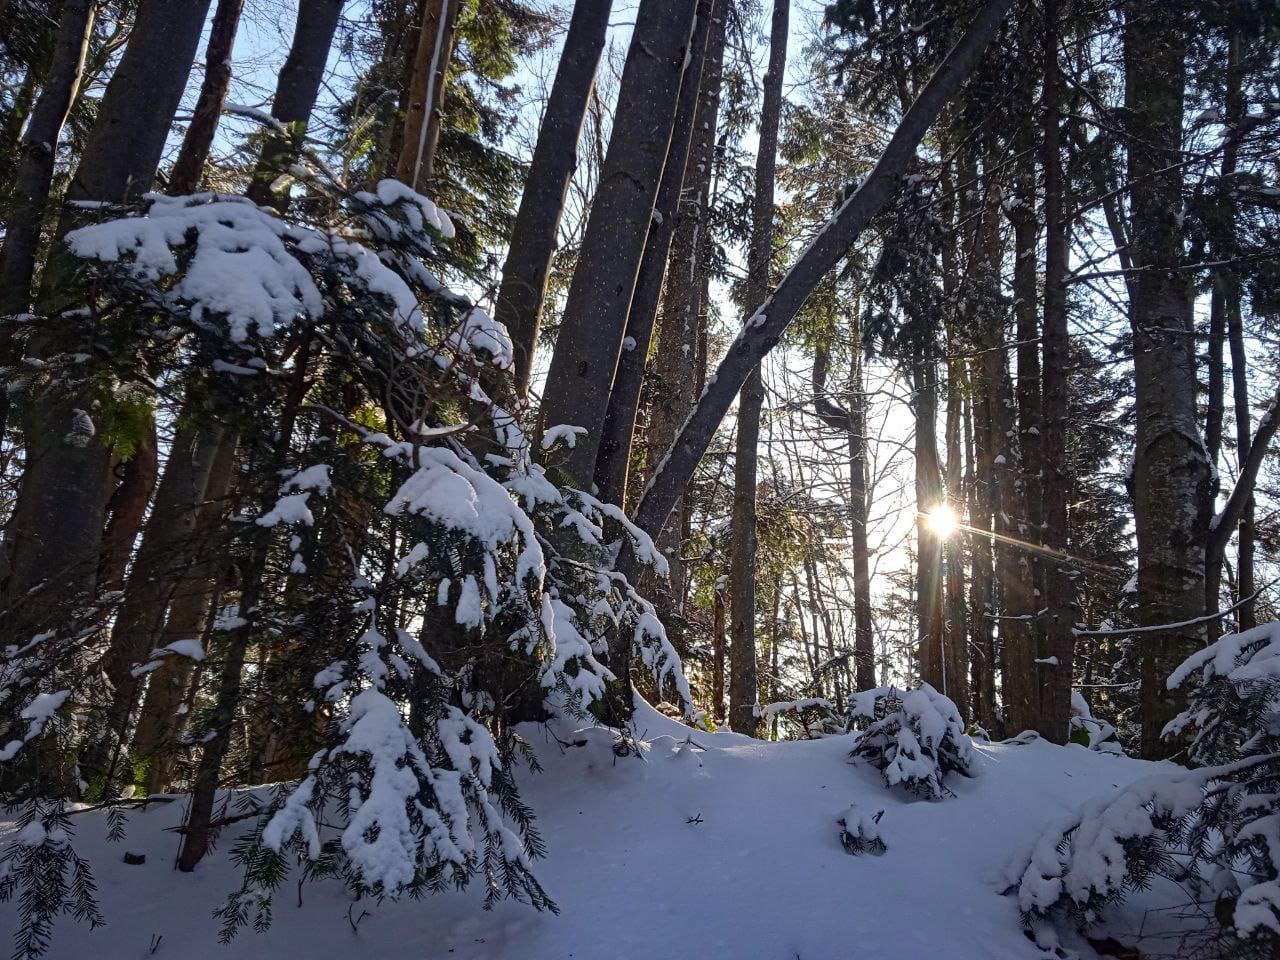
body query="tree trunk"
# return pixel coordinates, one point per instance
(296, 90)
(185, 176)
(679, 355)
(34, 163)
(957, 639)
(853, 422)
(718, 650)
(764, 328)
(595, 314)
(425, 94)
(743, 688)
(124, 147)
(1059, 583)
(191, 603)
(1170, 471)
(1018, 477)
(126, 509)
(33, 172)
(1225, 323)
(533, 236)
(704, 66)
(164, 560)
(930, 619)
(53, 539)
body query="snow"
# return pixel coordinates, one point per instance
(563, 432)
(189, 648)
(760, 875)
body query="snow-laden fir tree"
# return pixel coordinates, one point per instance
(1214, 829)
(415, 583)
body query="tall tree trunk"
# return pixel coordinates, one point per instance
(1170, 471)
(743, 689)
(191, 602)
(164, 560)
(595, 314)
(297, 88)
(704, 65)
(679, 354)
(198, 826)
(123, 149)
(425, 94)
(764, 328)
(533, 236)
(1059, 582)
(126, 508)
(34, 164)
(33, 175)
(1240, 392)
(853, 422)
(957, 639)
(1225, 323)
(1019, 479)
(930, 582)
(185, 176)
(53, 539)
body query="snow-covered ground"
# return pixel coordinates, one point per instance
(759, 873)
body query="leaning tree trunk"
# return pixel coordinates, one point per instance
(1058, 579)
(743, 688)
(533, 236)
(764, 328)
(595, 313)
(296, 90)
(187, 169)
(1171, 476)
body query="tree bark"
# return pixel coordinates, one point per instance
(165, 556)
(853, 422)
(297, 88)
(765, 326)
(34, 165)
(533, 236)
(595, 314)
(124, 147)
(704, 65)
(743, 686)
(53, 539)
(191, 601)
(185, 176)
(1170, 471)
(425, 95)
(1059, 583)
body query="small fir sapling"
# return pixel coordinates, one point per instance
(915, 739)
(860, 832)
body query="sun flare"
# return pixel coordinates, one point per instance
(942, 521)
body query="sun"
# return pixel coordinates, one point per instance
(942, 521)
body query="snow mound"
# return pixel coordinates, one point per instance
(705, 845)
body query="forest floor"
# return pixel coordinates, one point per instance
(728, 851)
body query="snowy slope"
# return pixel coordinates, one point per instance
(762, 877)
